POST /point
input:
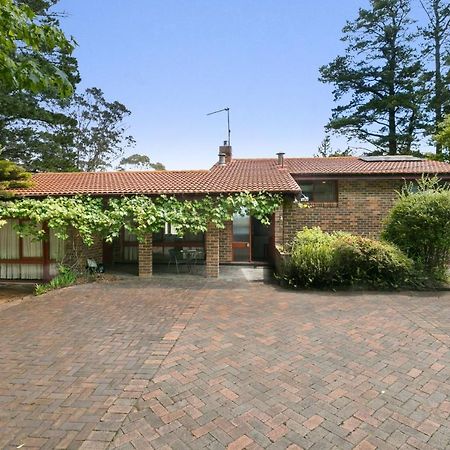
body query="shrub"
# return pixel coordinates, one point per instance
(311, 258)
(419, 224)
(362, 261)
(320, 259)
(65, 277)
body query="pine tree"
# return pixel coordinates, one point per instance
(436, 35)
(377, 81)
(34, 125)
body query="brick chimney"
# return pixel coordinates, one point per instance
(227, 150)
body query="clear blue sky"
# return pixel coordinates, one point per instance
(172, 61)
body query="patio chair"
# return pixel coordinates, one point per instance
(93, 266)
(176, 257)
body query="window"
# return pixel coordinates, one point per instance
(27, 258)
(321, 191)
(170, 229)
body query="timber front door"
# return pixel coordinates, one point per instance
(252, 240)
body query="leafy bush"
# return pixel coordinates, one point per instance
(311, 258)
(65, 277)
(419, 224)
(320, 259)
(362, 261)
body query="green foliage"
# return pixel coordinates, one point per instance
(320, 260)
(442, 138)
(325, 150)
(419, 224)
(139, 162)
(35, 126)
(99, 137)
(65, 277)
(312, 258)
(367, 262)
(140, 215)
(377, 81)
(84, 133)
(12, 176)
(39, 129)
(435, 52)
(22, 39)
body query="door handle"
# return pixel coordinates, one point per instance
(248, 244)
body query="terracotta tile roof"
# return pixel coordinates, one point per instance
(254, 174)
(100, 183)
(356, 166)
(239, 175)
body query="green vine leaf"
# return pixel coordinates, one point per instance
(94, 217)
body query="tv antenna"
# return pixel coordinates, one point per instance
(228, 120)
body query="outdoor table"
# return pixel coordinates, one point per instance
(190, 256)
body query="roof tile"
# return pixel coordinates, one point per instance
(253, 175)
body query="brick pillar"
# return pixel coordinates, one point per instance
(278, 228)
(212, 251)
(145, 259)
(225, 243)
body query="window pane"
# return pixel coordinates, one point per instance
(307, 190)
(130, 254)
(32, 271)
(9, 241)
(10, 271)
(325, 191)
(158, 237)
(56, 247)
(241, 228)
(129, 237)
(191, 237)
(31, 247)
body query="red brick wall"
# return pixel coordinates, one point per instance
(145, 250)
(225, 243)
(362, 205)
(76, 252)
(212, 239)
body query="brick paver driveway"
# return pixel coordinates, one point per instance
(194, 364)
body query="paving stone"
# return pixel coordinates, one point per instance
(197, 364)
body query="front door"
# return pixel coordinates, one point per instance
(251, 239)
(241, 238)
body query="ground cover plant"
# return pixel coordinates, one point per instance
(65, 277)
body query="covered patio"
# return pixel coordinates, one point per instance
(164, 253)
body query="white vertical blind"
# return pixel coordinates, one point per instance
(10, 271)
(31, 271)
(32, 247)
(56, 247)
(130, 253)
(9, 241)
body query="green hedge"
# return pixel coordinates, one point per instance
(363, 261)
(320, 259)
(419, 224)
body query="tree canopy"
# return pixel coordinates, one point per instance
(139, 162)
(12, 176)
(377, 80)
(325, 149)
(50, 126)
(435, 51)
(23, 42)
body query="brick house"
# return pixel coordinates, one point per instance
(347, 193)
